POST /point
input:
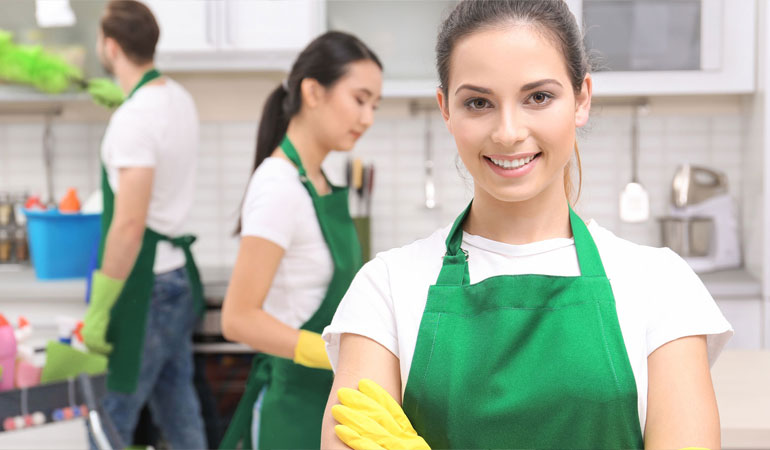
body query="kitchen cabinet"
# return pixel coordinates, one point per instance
(402, 34)
(649, 47)
(717, 35)
(215, 35)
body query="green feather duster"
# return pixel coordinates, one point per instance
(31, 65)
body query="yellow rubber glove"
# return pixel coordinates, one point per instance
(311, 351)
(369, 418)
(104, 293)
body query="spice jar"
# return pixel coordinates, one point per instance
(5, 246)
(20, 246)
(5, 209)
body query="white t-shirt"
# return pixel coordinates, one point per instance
(658, 297)
(279, 208)
(158, 127)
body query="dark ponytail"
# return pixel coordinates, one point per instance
(325, 60)
(272, 125)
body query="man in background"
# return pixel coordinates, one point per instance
(146, 295)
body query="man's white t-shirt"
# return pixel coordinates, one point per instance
(158, 127)
(658, 297)
(278, 208)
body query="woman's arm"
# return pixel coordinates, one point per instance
(243, 319)
(360, 357)
(681, 405)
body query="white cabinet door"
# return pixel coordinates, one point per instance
(186, 26)
(214, 35)
(271, 25)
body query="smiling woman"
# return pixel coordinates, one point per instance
(521, 326)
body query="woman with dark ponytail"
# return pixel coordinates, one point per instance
(299, 249)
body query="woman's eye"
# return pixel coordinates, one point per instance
(476, 104)
(360, 102)
(541, 98)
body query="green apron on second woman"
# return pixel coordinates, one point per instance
(295, 396)
(522, 361)
(128, 318)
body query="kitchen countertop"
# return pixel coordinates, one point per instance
(742, 384)
(23, 286)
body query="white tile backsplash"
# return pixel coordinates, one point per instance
(395, 144)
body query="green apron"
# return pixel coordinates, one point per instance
(128, 318)
(295, 396)
(524, 361)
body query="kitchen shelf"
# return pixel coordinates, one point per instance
(727, 284)
(28, 95)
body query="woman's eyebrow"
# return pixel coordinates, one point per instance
(538, 83)
(473, 88)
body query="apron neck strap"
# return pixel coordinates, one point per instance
(293, 155)
(146, 78)
(454, 271)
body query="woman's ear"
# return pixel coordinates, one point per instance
(443, 107)
(312, 92)
(583, 102)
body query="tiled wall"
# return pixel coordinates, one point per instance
(395, 144)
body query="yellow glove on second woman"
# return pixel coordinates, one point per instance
(370, 419)
(311, 351)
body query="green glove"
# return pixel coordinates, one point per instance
(104, 294)
(105, 92)
(369, 418)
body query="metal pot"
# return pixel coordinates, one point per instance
(687, 236)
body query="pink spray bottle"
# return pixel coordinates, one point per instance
(7, 354)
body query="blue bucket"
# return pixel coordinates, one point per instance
(62, 245)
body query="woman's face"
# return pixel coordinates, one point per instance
(346, 110)
(512, 111)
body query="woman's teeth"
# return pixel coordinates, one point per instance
(512, 164)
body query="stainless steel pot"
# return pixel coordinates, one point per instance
(687, 236)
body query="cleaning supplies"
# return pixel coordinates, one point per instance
(27, 372)
(7, 354)
(33, 203)
(70, 203)
(93, 204)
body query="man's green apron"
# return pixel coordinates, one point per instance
(525, 361)
(295, 396)
(128, 317)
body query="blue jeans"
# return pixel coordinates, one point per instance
(166, 375)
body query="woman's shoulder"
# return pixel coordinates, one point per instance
(416, 253)
(275, 176)
(648, 276)
(620, 254)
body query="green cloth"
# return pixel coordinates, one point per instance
(525, 361)
(104, 293)
(295, 396)
(63, 362)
